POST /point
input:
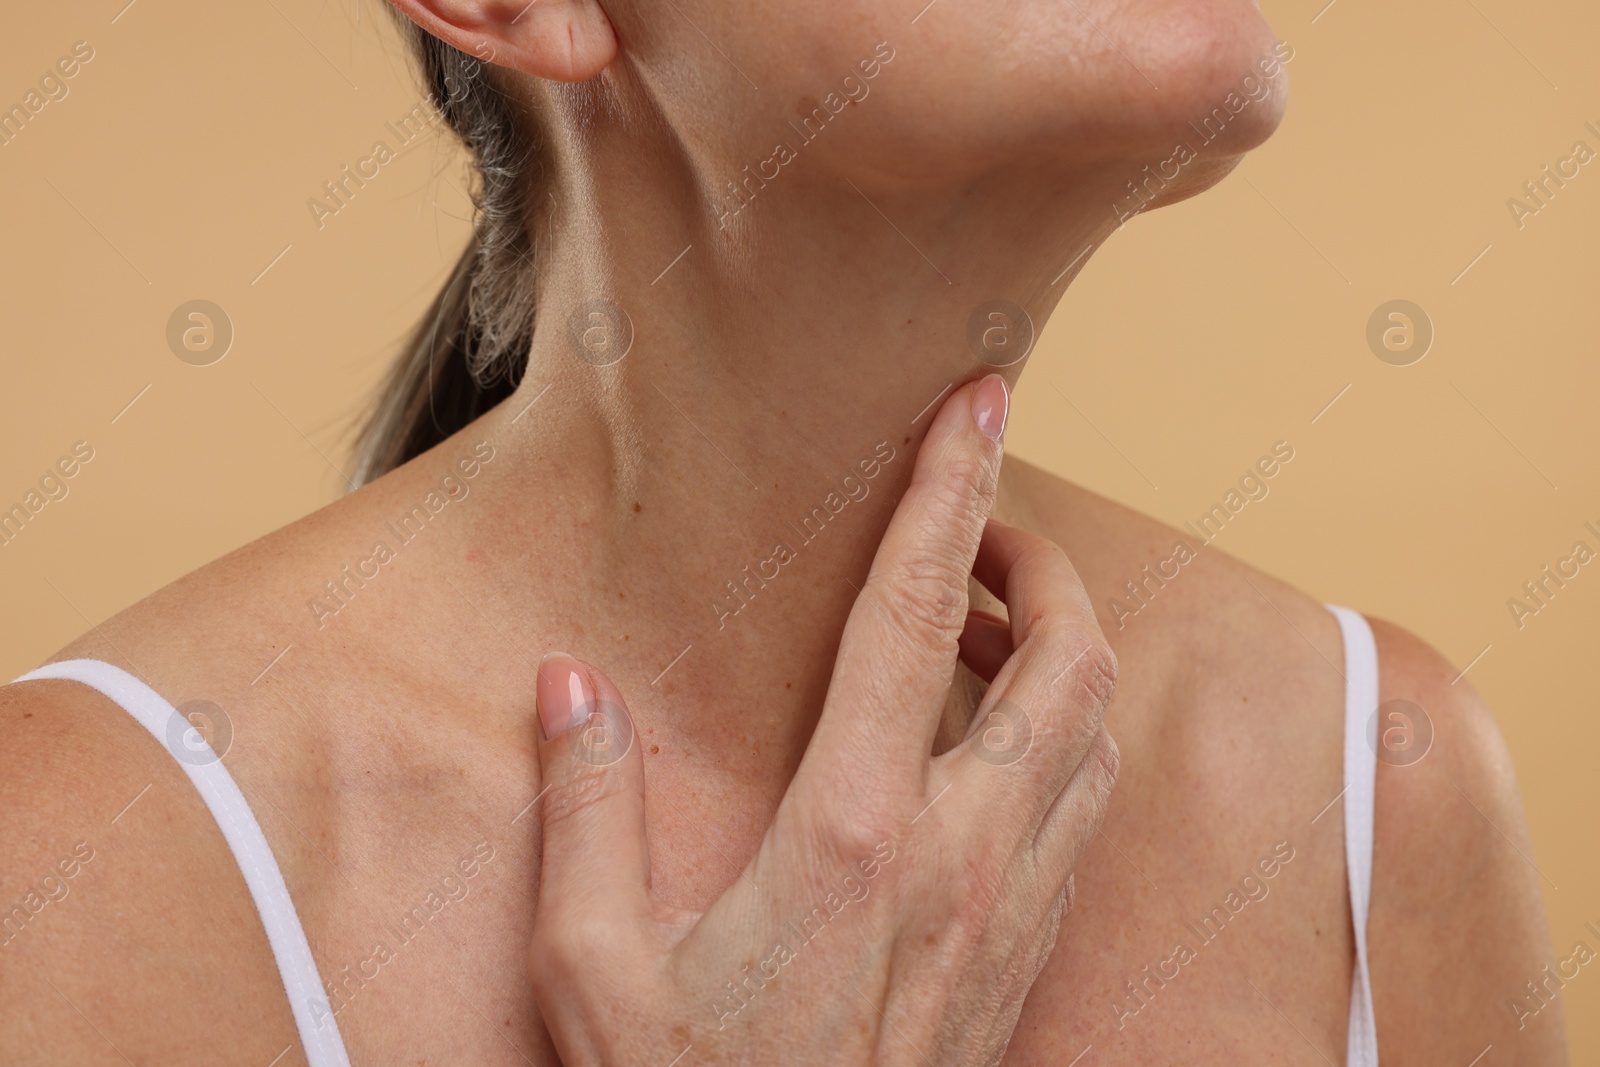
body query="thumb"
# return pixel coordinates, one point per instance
(592, 806)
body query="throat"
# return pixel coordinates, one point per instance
(700, 461)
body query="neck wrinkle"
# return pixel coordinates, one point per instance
(772, 365)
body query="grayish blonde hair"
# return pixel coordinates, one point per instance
(471, 347)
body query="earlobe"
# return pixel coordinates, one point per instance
(563, 40)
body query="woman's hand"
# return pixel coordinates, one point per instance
(900, 905)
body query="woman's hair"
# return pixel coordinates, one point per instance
(471, 348)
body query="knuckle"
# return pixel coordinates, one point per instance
(1091, 800)
(1101, 670)
(1081, 808)
(1104, 760)
(1049, 930)
(1068, 897)
(924, 587)
(969, 480)
(849, 839)
(576, 797)
(1061, 898)
(553, 961)
(567, 947)
(927, 597)
(1090, 662)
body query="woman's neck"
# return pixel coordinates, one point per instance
(695, 517)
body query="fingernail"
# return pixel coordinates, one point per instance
(565, 694)
(990, 403)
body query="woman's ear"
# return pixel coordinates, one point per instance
(563, 40)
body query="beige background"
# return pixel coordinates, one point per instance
(180, 163)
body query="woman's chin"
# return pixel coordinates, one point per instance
(1210, 86)
(1225, 70)
(1196, 179)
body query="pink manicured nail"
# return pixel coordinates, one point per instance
(990, 403)
(565, 694)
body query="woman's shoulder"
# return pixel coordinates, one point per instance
(288, 647)
(1457, 929)
(1179, 603)
(1182, 592)
(1247, 692)
(118, 897)
(1188, 610)
(231, 618)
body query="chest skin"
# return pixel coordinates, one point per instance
(397, 803)
(1210, 922)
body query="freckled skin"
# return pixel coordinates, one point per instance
(1207, 788)
(380, 748)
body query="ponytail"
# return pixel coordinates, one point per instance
(471, 348)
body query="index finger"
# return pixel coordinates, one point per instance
(898, 653)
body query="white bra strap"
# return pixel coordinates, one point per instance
(319, 1033)
(1360, 776)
